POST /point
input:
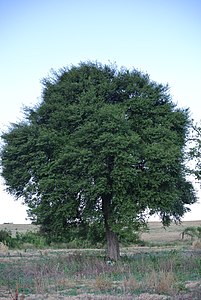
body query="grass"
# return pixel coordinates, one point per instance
(156, 229)
(20, 228)
(62, 273)
(157, 234)
(167, 265)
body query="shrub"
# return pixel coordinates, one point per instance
(5, 235)
(196, 244)
(3, 248)
(103, 283)
(161, 282)
(7, 239)
(30, 237)
(193, 232)
(130, 285)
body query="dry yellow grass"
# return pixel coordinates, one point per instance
(196, 244)
(162, 282)
(21, 228)
(157, 233)
(3, 248)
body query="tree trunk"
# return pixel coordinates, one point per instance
(112, 252)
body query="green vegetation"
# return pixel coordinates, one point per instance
(195, 150)
(61, 273)
(102, 151)
(22, 240)
(193, 232)
(39, 240)
(165, 264)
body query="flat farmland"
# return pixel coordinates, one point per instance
(21, 228)
(157, 233)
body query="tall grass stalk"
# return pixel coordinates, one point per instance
(78, 272)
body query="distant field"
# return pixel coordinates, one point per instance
(157, 232)
(22, 228)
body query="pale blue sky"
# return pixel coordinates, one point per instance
(160, 37)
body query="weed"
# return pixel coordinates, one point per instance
(53, 272)
(165, 283)
(3, 248)
(130, 285)
(192, 231)
(196, 244)
(103, 283)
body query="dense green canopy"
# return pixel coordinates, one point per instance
(195, 150)
(104, 145)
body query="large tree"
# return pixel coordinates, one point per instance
(104, 146)
(195, 150)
